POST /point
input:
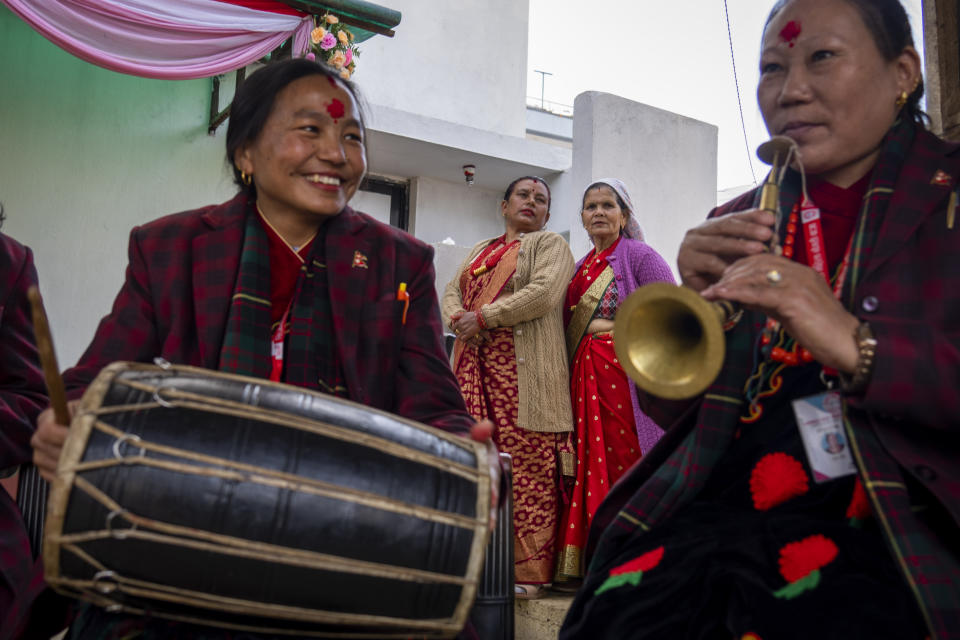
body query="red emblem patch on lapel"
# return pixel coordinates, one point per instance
(359, 261)
(941, 178)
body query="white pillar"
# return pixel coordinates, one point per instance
(667, 161)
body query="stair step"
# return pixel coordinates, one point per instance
(541, 619)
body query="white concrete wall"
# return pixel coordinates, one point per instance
(667, 161)
(464, 62)
(440, 209)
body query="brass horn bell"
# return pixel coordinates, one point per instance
(669, 339)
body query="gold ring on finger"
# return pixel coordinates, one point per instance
(774, 277)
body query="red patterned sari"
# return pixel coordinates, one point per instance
(604, 426)
(488, 381)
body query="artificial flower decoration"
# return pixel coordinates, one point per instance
(631, 572)
(332, 43)
(776, 478)
(800, 564)
(859, 508)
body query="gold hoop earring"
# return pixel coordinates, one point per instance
(902, 99)
(245, 178)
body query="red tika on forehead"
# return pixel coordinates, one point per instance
(335, 109)
(790, 32)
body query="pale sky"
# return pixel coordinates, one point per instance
(673, 55)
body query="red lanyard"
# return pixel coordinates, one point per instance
(816, 246)
(276, 346)
(815, 243)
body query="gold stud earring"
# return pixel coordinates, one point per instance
(245, 178)
(902, 99)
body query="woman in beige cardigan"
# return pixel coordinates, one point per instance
(510, 359)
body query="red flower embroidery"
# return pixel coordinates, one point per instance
(631, 572)
(800, 564)
(776, 478)
(859, 507)
(798, 559)
(644, 563)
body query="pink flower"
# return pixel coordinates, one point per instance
(349, 57)
(310, 56)
(329, 42)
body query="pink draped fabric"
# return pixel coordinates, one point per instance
(167, 39)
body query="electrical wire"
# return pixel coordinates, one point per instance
(736, 83)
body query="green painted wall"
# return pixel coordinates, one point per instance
(86, 154)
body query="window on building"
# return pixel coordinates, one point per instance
(386, 200)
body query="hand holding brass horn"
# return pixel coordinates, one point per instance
(670, 339)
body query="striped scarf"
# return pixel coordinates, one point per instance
(309, 348)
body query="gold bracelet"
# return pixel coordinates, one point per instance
(866, 353)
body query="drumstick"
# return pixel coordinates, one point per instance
(48, 358)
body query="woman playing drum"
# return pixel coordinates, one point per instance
(285, 281)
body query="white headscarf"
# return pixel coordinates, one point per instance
(632, 228)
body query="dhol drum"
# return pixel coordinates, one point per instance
(239, 503)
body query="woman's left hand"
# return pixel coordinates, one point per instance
(799, 298)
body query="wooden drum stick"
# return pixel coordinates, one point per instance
(48, 358)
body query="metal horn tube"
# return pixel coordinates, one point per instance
(669, 339)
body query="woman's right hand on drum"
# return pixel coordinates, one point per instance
(707, 250)
(48, 439)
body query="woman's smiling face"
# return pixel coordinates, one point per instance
(824, 83)
(309, 158)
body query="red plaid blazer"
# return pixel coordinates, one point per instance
(905, 428)
(181, 275)
(22, 396)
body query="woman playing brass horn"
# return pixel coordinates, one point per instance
(811, 492)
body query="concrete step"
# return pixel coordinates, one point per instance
(541, 619)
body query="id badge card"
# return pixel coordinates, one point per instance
(820, 421)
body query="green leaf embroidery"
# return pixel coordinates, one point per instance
(794, 589)
(619, 581)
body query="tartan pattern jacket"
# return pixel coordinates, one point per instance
(904, 429)
(22, 396)
(180, 280)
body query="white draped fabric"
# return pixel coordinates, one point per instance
(169, 39)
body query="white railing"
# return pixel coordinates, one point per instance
(550, 107)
